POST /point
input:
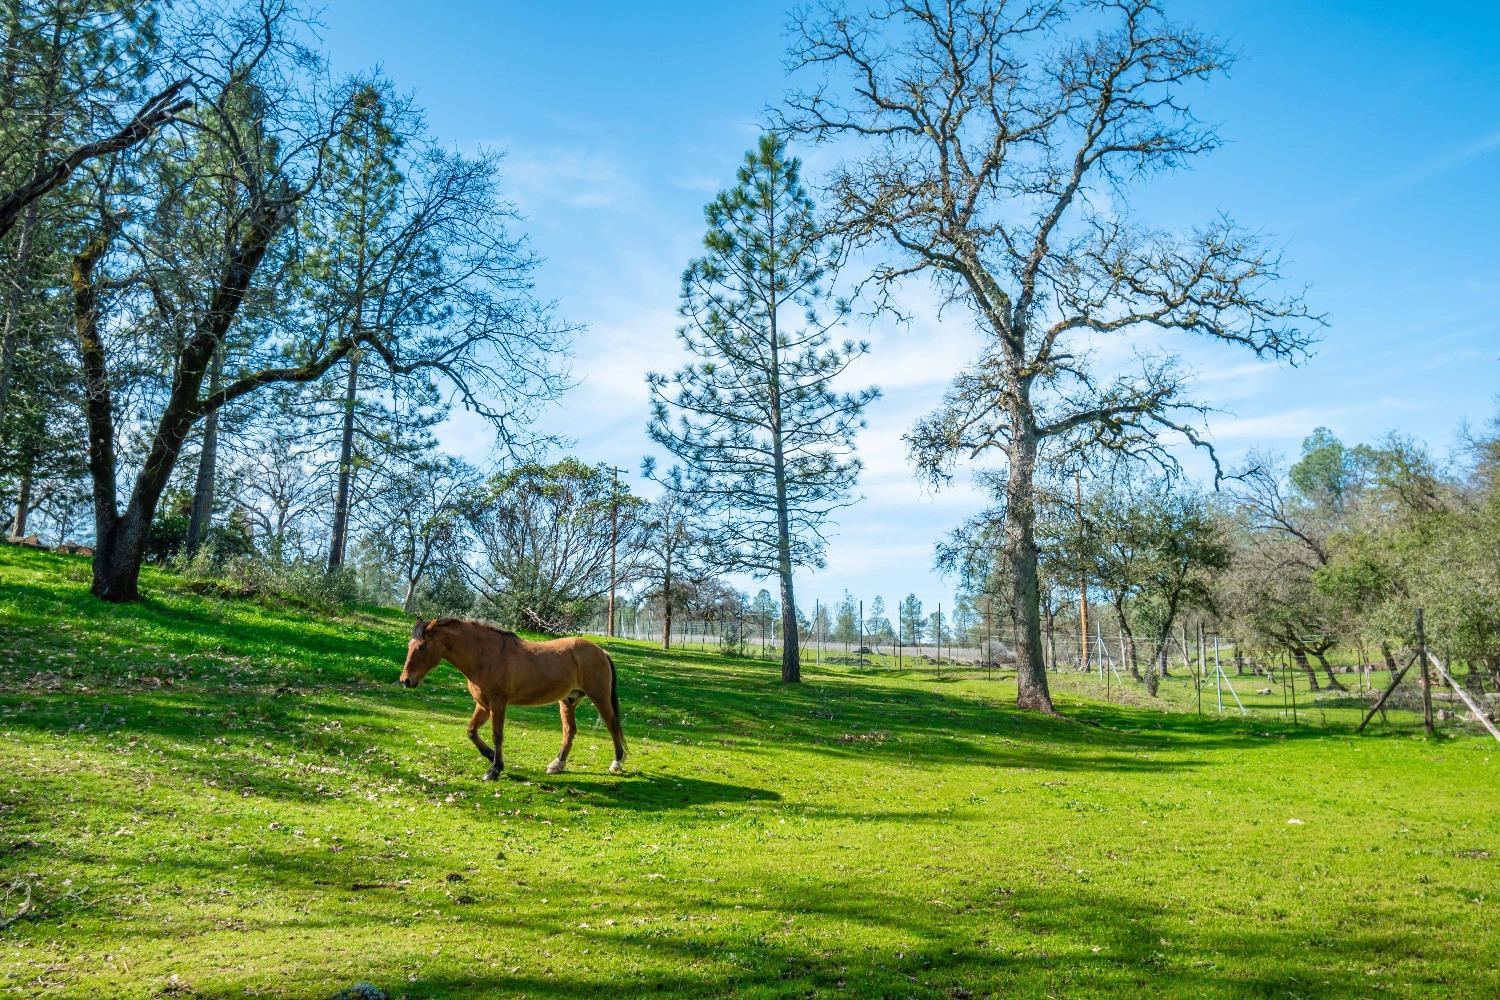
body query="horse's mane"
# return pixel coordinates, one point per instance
(469, 621)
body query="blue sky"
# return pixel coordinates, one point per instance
(1364, 138)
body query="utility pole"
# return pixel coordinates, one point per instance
(1083, 580)
(614, 539)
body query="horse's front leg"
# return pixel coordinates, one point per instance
(497, 732)
(475, 721)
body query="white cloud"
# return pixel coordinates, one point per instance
(575, 177)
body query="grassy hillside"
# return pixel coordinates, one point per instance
(212, 797)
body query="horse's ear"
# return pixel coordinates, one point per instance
(421, 630)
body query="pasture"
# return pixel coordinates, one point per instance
(214, 797)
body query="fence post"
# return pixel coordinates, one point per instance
(1426, 676)
(1197, 669)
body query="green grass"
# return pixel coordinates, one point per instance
(218, 798)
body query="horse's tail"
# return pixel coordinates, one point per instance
(614, 695)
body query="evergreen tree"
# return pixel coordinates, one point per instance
(766, 444)
(364, 235)
(846, 620)
(877, 624)
(913, 625)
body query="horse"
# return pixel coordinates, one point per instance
(504, 669)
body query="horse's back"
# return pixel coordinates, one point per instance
(553, 668)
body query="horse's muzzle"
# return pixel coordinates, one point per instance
(407, 682)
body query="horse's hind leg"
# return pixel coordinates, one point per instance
(601, 701)
(475, 721)
(567, 707)
(497, 730)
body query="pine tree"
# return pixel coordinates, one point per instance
(876, 622)
(913, 625)
(766, 444)
(349, 274)
(846, 620)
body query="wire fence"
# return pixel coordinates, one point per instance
(1197, 671)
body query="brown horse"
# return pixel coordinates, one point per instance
(503, 669)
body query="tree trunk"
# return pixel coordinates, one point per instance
(791, 651)
(1300, 655)
(791, 654)
(208, 458)
(1128, 653)
(1333, 682)
(666, 604)
(1021, 549)
(1051, 614)
(1155, 668)
(338, 537)
(23, 503)
(120, 539)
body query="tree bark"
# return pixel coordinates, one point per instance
(339, 535)
(23, 503)
(1132, 661)
(1333, 682)
(1300, 655)
(203, 488)
(666, 599)
(1020, 542)
(120, 538)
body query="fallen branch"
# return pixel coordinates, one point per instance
(25, 909)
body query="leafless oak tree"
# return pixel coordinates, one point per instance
(997, 144)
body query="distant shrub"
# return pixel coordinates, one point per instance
(304, 582)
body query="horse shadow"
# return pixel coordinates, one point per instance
(653, 791)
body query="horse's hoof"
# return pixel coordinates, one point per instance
(491, 775)
(556, 767)
(616, 768)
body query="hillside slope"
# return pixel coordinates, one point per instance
(212, 797)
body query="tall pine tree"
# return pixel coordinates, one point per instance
(766, 443)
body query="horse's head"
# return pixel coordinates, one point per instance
(423, 652)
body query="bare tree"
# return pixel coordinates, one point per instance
(275, 481)
(420, 518)
(1284, 545)
(156, 112)
(69, 70)
(675, 550)
(1001, 142)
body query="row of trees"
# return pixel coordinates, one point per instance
(239, 292)
(1333, 552)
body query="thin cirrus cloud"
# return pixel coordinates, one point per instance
(1295, 423)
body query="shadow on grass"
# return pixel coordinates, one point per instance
(801, 939)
